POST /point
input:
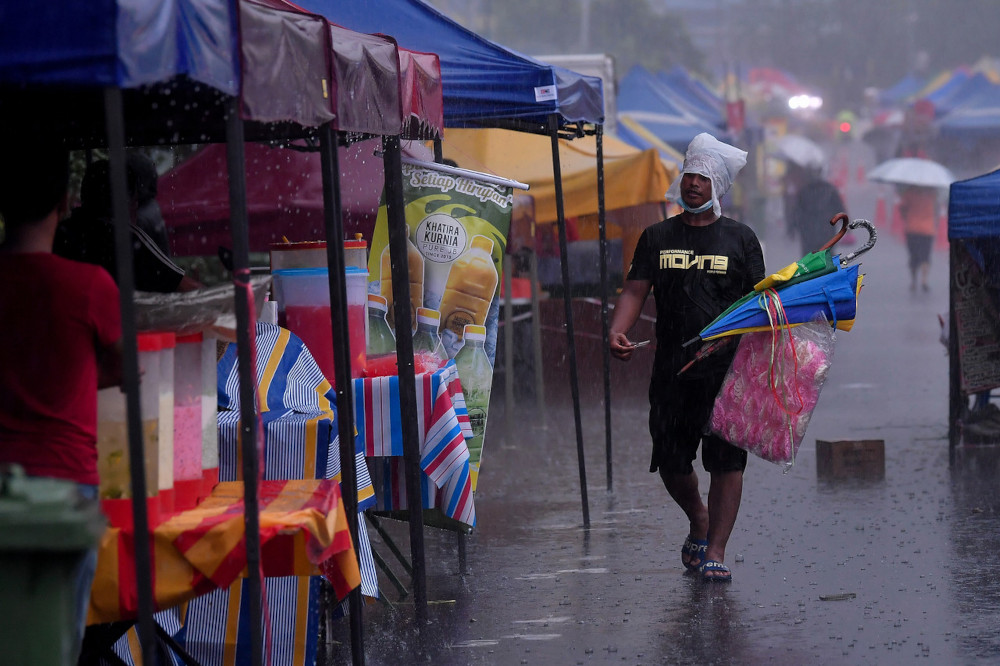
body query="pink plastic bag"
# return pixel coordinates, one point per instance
(772, 388)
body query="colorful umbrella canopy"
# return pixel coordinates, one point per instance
(830, 293)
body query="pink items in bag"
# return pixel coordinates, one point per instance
(771, 389)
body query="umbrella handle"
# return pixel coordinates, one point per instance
(839, 217)
(869, 244)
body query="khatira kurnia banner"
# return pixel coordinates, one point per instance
(458, 228)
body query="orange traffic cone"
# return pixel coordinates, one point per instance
(881, 218)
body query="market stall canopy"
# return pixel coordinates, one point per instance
(178, 59)
(959, 90)
(636, 135)
(284, 195)
(483, 82)
(902, 90)
(644, 99)
(423, 100)
(631, 176)
(974, 207)
(123, 44)
(378, 77)
(977, 118)
(695, 94)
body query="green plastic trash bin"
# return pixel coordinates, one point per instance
(46, 530)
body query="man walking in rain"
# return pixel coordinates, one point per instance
(696, 263)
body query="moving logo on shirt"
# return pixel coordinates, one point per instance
(684, 259)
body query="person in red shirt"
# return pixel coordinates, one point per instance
(60, 338)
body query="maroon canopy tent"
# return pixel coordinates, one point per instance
(284, 196)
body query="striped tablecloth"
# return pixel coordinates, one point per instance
(303, 530)
(442, 425)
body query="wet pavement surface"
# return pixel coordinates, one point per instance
(896, 571)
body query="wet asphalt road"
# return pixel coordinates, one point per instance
(914, 553)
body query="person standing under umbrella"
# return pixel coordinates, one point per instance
(696, 263)
(918, 208)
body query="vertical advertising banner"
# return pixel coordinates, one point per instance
(458, 230)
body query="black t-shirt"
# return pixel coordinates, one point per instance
(91, 239)
(696, 272)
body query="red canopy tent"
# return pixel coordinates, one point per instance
(284, 196)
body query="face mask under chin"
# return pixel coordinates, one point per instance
(700, 209)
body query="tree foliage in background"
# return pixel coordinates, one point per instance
(629, 30)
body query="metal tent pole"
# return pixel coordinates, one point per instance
(115, 128)
(567, 297)
(508, 347)
(536, 337)
(245, 319)
(955, 395)
(334, 226)
(460, 535)
(605, 287)
(398, 233)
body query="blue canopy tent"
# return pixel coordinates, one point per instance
(646, 100)
(974, 338)
(958, 91)
(487, 85)
(104, 74)
(977, 118)
(694, 94)
(902, 90)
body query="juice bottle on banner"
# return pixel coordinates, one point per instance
(428, 352)
(476, 376)
(471, 285)
(415, 264)
(381, 344)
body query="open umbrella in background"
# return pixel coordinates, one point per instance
(820, 283)
(800, 150)
(912, 171)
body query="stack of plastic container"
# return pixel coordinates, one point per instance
(115, 487)
(168, 342)
(302, 290)
(188, 424)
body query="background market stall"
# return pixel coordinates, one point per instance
(974, 334)
(184, 73)
(486, 85)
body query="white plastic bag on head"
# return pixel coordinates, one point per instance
(717, 161)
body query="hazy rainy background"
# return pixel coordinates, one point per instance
(840, 47)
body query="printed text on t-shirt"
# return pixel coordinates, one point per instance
(684, 259)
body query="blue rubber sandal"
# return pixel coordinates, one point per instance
(715, 572)
(694, 549)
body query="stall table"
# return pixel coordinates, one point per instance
(443, 426)
(303, 532)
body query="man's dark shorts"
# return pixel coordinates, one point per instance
(679, 410)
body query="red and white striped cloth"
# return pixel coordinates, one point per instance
(443, 426)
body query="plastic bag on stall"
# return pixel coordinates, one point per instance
(771, 390)
(210, 309)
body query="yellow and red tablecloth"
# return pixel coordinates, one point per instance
(303, 531)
